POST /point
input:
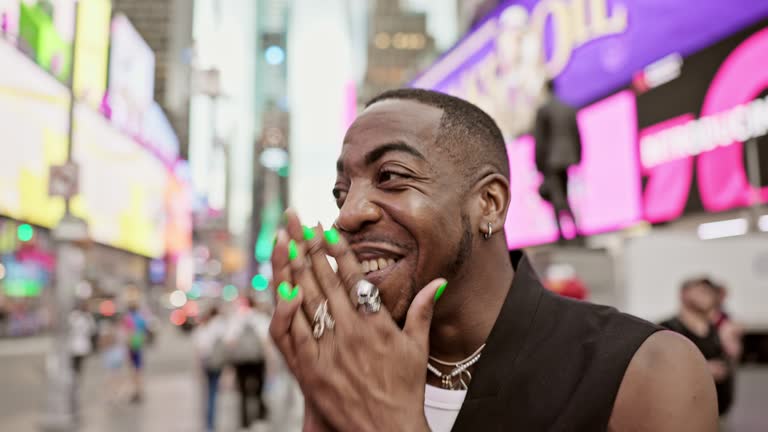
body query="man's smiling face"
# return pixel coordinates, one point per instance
(400, 200)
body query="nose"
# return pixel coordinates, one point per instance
(357, 210)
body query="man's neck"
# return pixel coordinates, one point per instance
(467, 312)
(697, 322)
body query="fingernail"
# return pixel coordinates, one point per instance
(285, 291)
(293, 250)
(332, 236)
(439, 292)
(309, 233)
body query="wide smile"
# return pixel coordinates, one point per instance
(377, 263)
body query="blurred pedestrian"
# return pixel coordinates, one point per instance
(558, 147)
(247, 338)
(210, 345)
(730, 332)
(698, 302)
(82, 326)
(113, 355)
(136, 329)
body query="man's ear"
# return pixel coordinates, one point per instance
(493, 193)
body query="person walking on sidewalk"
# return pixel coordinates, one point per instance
(82, 327)
(209, 342)
(247, 338)
(137, 330)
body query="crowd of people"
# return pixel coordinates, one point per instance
(241, 342)
(120, 342)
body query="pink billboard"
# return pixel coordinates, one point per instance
(656, 152)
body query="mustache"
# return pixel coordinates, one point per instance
(354, 239)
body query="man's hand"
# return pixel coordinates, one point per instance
(719, 369)
(365, 373)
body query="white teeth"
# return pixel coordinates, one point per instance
(376, 264)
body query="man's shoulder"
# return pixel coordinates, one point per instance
(666, 387)
(601, 321)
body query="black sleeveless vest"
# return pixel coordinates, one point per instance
(550, 363)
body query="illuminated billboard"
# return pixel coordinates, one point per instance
(123, 187)
(91, 50)
(668, 93)
(131, 76)
(33, 119)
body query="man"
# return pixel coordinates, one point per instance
(698, 302)
(136, 328)
(444, 331)
(247, 339)
(82, 327)
(558, 147)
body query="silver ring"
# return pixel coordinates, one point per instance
(368, 299)
(322, 320)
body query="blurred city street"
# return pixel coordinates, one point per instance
(163, 162)
(173, 394)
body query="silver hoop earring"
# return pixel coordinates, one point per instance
(488, 234)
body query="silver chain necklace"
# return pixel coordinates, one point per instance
(459, 376)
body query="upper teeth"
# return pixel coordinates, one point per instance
(376, 264)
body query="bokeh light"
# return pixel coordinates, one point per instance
(107, 308)
(25, 232)
(178, 317)
(195, 291)
(178, 298)
(259, 282)
(274, 55)
(192, 309)
(229, 293)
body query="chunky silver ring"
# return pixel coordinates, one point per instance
(368, 299)
(322, 320)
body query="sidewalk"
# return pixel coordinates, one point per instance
(173, 394)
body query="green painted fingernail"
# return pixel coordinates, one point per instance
(293, 250)
(332, 236)
(309, 233)
(285, 291)
(440, 290)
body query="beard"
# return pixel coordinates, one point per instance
(463, 251)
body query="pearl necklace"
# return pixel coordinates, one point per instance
(459, 372)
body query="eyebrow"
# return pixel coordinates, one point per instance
(379, 152)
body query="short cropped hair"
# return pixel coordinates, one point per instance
(470, 136)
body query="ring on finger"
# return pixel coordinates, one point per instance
(368, 299)
(322, 320)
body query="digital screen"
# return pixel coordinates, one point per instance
(131, 76)
(91, 50)
(123, 187)
(33, 120)
(669, 93)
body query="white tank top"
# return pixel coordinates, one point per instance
(441, 407)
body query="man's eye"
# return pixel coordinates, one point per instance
(386, 176)
(337, 193)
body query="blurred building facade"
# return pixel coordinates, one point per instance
(79, 91)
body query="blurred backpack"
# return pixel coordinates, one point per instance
(137, 327)
(218, 357)
(248, 347)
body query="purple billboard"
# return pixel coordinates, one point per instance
(668, 93)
